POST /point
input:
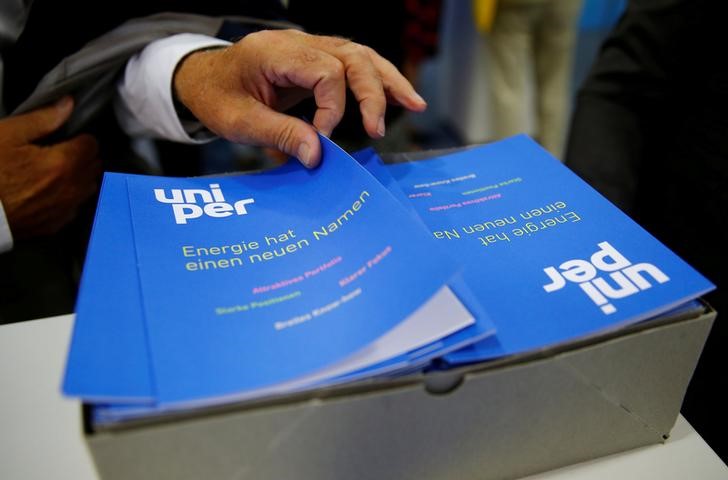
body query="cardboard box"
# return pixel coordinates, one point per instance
(497, 420)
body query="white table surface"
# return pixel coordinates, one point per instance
(40, 431)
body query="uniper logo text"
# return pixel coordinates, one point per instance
(185, 203)
(622, 279)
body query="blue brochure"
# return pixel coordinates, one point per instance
(483, 327)
(547, 257)
(108, 359)
(235, 287)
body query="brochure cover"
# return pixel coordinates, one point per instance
(547, 257)
(258, 284)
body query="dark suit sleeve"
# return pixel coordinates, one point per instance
(635, 86)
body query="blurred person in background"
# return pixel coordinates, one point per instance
(530, 42)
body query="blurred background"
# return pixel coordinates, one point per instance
(447, 55)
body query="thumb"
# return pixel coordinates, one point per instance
(41, 122)
(261, 125)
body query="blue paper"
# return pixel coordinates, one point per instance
(257, 284)
(108, 358)
(484, 326)
(549, 258)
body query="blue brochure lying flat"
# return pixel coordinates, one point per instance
(547, 257)
(236, 287)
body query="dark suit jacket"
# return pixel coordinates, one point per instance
(58, 53)
(650, 131)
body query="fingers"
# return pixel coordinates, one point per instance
(366, 84)
(258, 124)
(325, 76)
(238, 91)
(75, 169)
(80, 149)
(242, 86)
(81, 156)
(39, 123)
(48, 185)
(372, 79)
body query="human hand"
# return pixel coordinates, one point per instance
(41, 187)
(238, 92)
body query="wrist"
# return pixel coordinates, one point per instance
(185, 79)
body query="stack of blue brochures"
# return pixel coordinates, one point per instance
(548, 258)
(203, 291)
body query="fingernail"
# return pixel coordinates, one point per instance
(380, 127)
(420, 99)
(304, 154)
(64, 104)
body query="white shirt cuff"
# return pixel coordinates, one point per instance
(6, 238)
(144, 105)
